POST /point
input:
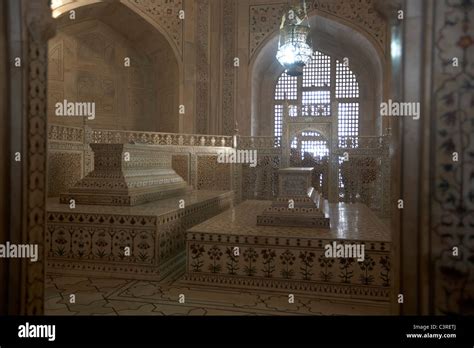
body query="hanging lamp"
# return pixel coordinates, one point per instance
(295, 47)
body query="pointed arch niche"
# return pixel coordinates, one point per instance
(338, 41)
(87, 62)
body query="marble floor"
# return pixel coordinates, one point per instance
(97, 296)
(106, 296)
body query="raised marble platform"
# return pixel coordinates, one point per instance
(292, 259)
(127, 175)
(91, 241)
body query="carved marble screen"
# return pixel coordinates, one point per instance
(328, 90)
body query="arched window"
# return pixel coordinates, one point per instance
(326, 83)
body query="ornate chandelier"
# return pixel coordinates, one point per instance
(295, 47)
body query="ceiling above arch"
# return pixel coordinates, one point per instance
(362, 16)
(162, 15)
(329, 37)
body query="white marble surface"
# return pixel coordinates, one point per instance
(348, 221)
(156, 208)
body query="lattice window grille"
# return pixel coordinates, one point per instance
(287, 86)
(316, 103)
(318, 72)
(348, 124)
(278, 120)
(314, 93)
(346, 82)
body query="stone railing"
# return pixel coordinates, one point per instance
(195, 159)
(363, 142)
(259, 142)
(101, 136)
(269, 142)
(366, 177)
(67, 134)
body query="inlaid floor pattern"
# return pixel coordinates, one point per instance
(97, 296)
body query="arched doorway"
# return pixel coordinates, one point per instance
(340, 53)
(310, 149)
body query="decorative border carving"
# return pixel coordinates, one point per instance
(452, 207)
(166, 15)
(315, 243)
(102, 136)
(202, 66)
(228, 88)
(39, 28)
(349, 291)
(288, 264)
(88, 243)
(63, 133)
